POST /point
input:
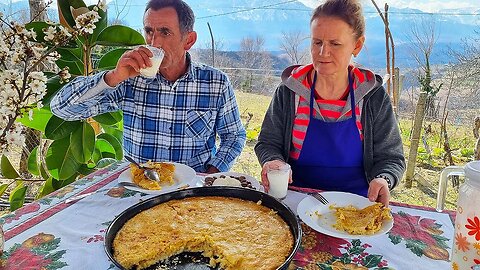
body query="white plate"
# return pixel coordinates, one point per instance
(320, 218)
(249, 178)
(183, 176)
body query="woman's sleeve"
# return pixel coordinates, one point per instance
(271, 140)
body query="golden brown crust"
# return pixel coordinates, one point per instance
(240, 234)
(165, 171)
(364, 221)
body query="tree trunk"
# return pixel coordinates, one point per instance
(416, 132)
(32, 137)
(446, 142)
(38, 12)
(476, 131)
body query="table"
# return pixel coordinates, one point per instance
(52, 234)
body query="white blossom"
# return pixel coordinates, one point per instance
(86, 22)
(102, 4)
(50, 33)
(15, 136)
(64, 75)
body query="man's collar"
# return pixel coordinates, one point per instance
(191, 68)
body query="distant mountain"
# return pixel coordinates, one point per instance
(235, 19)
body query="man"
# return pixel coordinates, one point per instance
(173, 117)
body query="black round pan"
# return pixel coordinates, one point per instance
(190, 261)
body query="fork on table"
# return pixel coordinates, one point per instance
(319, 197)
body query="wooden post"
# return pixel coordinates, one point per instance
(416, 132)
(213, 44)
(476, 131)
(387, 50)
(396, 90)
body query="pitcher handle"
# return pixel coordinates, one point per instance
(442, 185)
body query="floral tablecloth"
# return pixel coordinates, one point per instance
(52, 234)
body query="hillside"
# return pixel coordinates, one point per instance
(233, 20)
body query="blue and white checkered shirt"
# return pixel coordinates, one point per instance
(165, 121)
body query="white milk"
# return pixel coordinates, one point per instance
(278, 181)
(151, 72)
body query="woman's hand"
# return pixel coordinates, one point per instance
(272, 165)
(378, 191)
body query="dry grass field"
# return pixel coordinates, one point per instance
(427, 173)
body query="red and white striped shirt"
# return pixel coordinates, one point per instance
(330, 111)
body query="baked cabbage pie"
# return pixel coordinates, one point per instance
(233, 233)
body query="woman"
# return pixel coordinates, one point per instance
(310, 124)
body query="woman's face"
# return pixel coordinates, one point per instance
(333, 43)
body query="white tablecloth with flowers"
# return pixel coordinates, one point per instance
(51, 234)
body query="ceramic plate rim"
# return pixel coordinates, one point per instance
(126, 176)
(253, 180)
(309, 205)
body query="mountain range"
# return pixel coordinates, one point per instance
(236, 19)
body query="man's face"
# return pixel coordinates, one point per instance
(162, 30)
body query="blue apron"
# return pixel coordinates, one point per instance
(332, 154)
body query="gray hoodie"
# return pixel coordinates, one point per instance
(382, 144)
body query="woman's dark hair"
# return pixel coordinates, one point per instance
(186, 18)
(349, 11)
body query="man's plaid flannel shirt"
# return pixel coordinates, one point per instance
(165, 121)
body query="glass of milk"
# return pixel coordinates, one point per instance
(151, 72)
(278, 181)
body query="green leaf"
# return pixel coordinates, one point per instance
(110, 59)
(119, 35)
(85, 169)
(117, 145)
(3, 188)
(65, 5)
(32, 165)
(46, 189)
(372, 261)
(416, 246)
(58, 128)
(104, 146)
(17, 197)
(324, 266)
(60, 162)
(82, 143)
(43, 171)
(117, 133)
(395, 239)
(75, 68)
(58, 184)
(74, 55)
(7, 170)
(110, 118)
(97, 155)
(104, 162)
(441, 240)
(40, 119)
(108, 155)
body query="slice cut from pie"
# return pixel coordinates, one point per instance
(364, 221)
(166, 172)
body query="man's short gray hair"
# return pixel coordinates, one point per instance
(186, 18)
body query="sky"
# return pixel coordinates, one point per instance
(424, 5)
